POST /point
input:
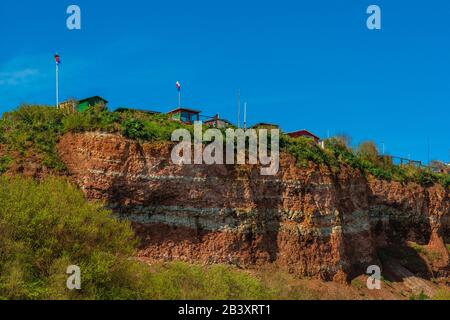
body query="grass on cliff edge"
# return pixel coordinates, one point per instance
(47, 226)
(37, 129)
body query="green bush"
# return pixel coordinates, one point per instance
(38, 128)
(368, 150)
(442, 294)
(135, 129)
(179, 280)
(420, 296)
(5, 163)
(444, 179)
(425, 178)
(47, 226)
(96, 118)
(305, 150)
(343, 154)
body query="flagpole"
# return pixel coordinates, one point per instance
(179, 93)
(57, 86)
(239, 108)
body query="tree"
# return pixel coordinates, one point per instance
(368, 150)
(344, 138)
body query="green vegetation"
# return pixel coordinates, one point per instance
(357, 284)
(306, 151)
(424, 251)
(285, 286)
(442, 294)
(420, 296)
(5, 163)
(365, 159)
(178, 280)
(47, 226)
(36, 130)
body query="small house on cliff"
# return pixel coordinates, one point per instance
(185, 115)
(74, 105)
(304, 133)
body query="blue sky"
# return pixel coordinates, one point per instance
(302, 64)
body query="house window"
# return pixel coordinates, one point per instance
(185, 117)
(193, 117)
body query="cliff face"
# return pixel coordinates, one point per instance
(308, 221)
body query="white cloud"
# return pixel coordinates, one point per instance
(18, 77)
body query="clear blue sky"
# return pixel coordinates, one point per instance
(302, 64)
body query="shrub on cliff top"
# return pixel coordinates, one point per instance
(305, 150)
(38, 128)
(366, 159)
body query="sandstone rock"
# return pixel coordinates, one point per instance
(309, 221)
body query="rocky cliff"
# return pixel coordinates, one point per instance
(310, 221)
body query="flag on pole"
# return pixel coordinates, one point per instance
(178, 86)
(58, 61)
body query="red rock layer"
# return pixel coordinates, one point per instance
(310, 221)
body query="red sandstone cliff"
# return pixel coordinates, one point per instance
(309, 221)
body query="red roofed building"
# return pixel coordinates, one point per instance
(304, 133)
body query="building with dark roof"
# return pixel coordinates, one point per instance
(185, 115)
(304, 133)
(264, 125)
(74, 105)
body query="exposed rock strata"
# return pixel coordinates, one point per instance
(309, 221)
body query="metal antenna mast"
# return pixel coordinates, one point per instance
(239, 108)
(245, 116)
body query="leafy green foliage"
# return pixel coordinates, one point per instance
(444, 179)
(442, 294)
(135, 129)
(96, 118)
(367, 150)
(5, 162)
(305, 151)
(183, 281)
(47, 226)
(33, 127)
(425, 178)
(365, 159)
(420, 296)
(38, 128)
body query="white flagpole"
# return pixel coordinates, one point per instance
(179, 98)
(57, 86)
(239, 108)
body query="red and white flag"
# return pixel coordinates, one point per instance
(178, 86)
